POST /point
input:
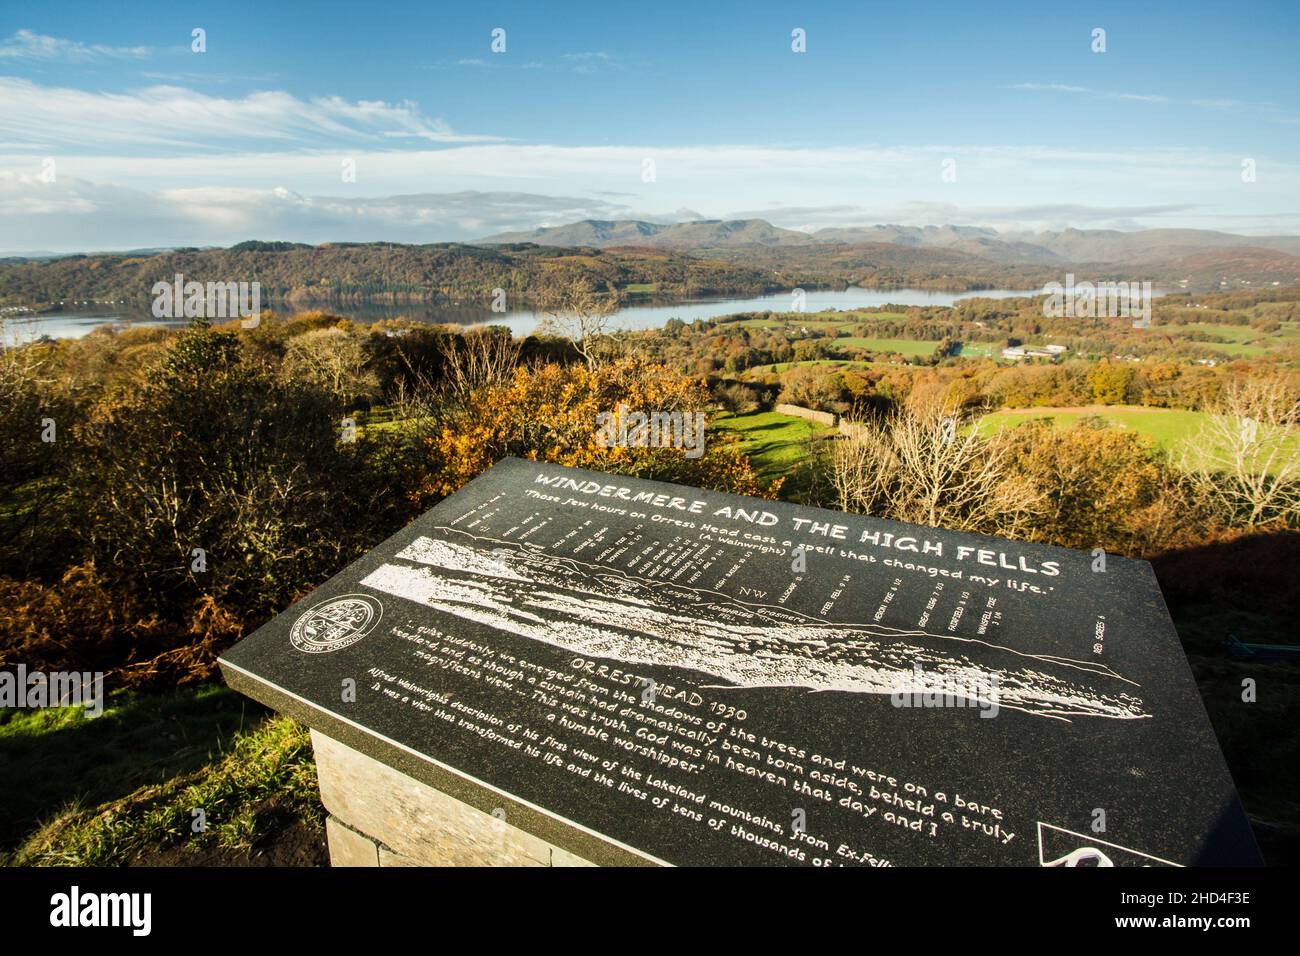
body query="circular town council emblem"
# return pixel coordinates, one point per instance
(335, 624)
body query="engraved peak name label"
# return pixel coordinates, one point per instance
(649, 672)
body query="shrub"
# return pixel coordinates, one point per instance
(1099, 487)
(78, 624)
(550, 413)
(334, 361)
(1245, 462)
(1090, 486)
(737, 398)
(919, 464)
(230, 459)
(32, 410)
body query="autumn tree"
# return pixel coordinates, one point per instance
(332, 359)
(553, 413)
(1097, 486)
(1110, 382)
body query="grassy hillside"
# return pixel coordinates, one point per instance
(775, 443)
(1169, 428)
(901, 346)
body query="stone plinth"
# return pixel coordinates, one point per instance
(557, 666)
(379, 816)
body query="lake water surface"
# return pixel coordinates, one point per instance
(649, 315)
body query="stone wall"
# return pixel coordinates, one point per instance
(379, 816)
(823, 418)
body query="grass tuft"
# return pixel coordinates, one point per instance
(267, 777)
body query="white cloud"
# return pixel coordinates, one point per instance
(199, 169)
(1008, 217)
(77, 214)
(590, 61)
(713, 177)
(73, 214)
(172, 119)
(26, 45)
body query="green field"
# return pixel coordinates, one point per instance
(1242, 340)
(1234, 333)
(773, 442)
(1167, 427)
(902, 346)
(1236, 348)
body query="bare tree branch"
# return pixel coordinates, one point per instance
(572, 307)
(1245, 461)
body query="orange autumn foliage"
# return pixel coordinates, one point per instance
(551, 413)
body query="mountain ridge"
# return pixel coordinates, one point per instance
(1045, 247)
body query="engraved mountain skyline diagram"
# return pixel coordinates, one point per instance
(599, 611)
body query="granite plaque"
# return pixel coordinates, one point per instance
(645, 672)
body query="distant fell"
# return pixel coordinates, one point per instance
(698, 234)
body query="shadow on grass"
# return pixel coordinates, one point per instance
(1246, 587)
(54, 757)
(769, 426)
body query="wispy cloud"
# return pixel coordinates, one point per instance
(27, 45)
(715, 176)
(171, 119)
(591, 61)
(197, 168)
(587, 61)
(192, 78)
(1212, 103)
(1104, 94)
(74, 214)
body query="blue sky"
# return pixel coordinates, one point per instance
(114, 134)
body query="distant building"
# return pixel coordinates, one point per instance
(1018, 352)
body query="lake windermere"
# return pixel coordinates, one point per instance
(648, 315)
